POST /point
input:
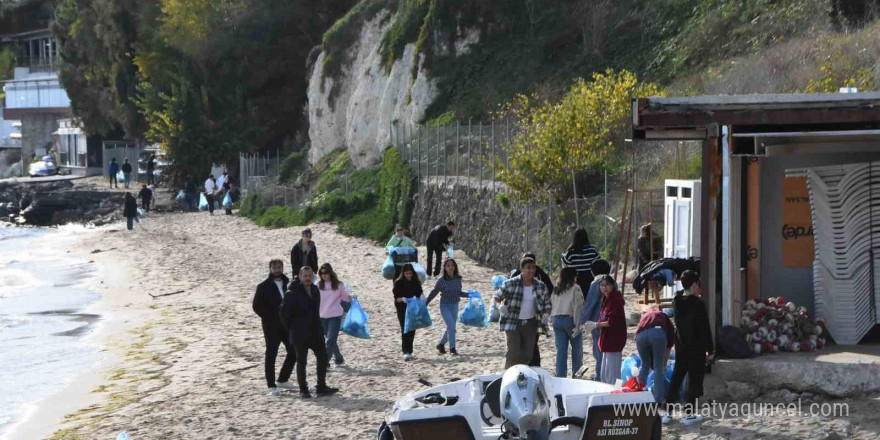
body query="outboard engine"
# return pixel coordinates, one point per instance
(525, 408)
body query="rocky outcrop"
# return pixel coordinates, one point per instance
(55, 203)
(358, 115)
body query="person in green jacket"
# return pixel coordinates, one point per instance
(400, 240)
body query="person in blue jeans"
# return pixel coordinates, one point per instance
(592, 307)
(567, 303)
(449, 288)
(333, 294)
(112, 171)
(654, 338)
(129, 210)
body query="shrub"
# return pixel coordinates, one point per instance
(251, 207)
(330, 178)
(373, 224)
(503, 200)
(293, 164)
(280, 217)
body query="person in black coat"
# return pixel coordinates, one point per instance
(126, 173)
(407, 285)
(304, 253)
(300, 313)
(146, 195)
(693, 341)
(267, 305)
(129, 210)
(541, 275)
(437, 242)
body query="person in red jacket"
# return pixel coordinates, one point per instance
(612, 324)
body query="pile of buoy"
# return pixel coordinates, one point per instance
(772, 324)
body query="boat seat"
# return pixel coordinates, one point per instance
(490, 405)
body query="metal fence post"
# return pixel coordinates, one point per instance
(493, 157)
(470, 121)
(481, 155)
(550, 233)
(437, 154)
(457, 152)
(419, 173)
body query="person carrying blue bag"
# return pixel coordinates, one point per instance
(449, 287)
(474, 313)
(407, 286)
(355, 322)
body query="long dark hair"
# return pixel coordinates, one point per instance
(334, 280)
(408, 267)
(608, 279)
(567, 278)
(580, 240)
(455, 273)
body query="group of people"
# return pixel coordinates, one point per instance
(214, 191)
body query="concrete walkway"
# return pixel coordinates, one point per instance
(46, 179)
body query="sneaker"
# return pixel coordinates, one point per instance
(407, 357)
(290, 386)
(326, 391)
(691, 419)
(274, 392)
(339, 362)
(452, 351)
(441, 348)
(665, 419)
(305, 394)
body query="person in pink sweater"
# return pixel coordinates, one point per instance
(333, 294)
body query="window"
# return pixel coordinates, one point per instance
(685, 193)
(671, 191)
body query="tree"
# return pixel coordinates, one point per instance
(581, 131)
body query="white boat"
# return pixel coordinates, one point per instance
(522, 403)
(43, 167)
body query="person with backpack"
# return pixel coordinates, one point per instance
(333, 294)
(592, 308)
(113, 170)
(304, 252)
(407, 285)
(267, 305)
(126, 173)
(437, 243)
(525, 307)
(612, 323)
(129, 210)
(449, 287)
(300, 314)
(693, 345)
(654, 338)
(580, 255)
(146, 195)
(548, 283)
(567, 302)
(400, 240)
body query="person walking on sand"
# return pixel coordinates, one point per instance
(227, 189)
(210, 187)
(113, 171)
(580, 255)
(437, 242)
(654, 338)
(151, 167)
(567, 302)
(548, 283)
(333, 294)
(400, 240)
(267, 305)
(146, 195)
(222, 179)
(126, 173)
(407, 285)
(449, 287)
(612, 323)
(300, 313)
(592, 308)
(693, 345)
(525, 306)
(304, 252)
(129, 210)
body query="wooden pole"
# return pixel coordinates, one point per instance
(632, 208)
(620, 232)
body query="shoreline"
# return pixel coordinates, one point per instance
(47, 416)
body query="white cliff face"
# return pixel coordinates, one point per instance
(368, 101)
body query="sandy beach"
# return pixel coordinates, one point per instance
(189, 365)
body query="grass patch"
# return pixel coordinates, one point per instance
(294, 164)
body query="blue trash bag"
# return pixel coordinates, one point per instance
(355, 323)
(494, 313)
(474, 312)
(420, 272)
(123, 436)
(626, 368)
(227, 201)
(450, 252)
(203, 202)
(417, 315)
(181, 195)
(497, 281)
(120, 176)
(388, 268)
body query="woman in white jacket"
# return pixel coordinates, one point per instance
(567, 300)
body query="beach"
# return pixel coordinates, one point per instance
(187, 362)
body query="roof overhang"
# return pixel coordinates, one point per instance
(18, 113)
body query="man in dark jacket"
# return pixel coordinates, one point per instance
(437, 242)
(146, 195)
(304, 253)
(112, 171)
(267, 305)
(541, 275)
(300, 313)
(693, 341)
(126, 173)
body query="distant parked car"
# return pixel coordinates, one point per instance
(43, 167)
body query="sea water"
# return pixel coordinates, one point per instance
(44, 330)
